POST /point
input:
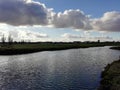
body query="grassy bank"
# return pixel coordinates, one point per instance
(33, 47)
(116, 48)
(111, 77)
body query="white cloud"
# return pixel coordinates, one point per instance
(102, 38)
(76, 19)
(26, 35)
(68, 35)
(109, 22)
(30, 12)
(73, 37)
(71, 18)
(86, 33)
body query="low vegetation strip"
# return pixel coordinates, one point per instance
(24, 48)
(30, 48)
(111, 77)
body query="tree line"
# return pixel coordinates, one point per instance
(9, 39)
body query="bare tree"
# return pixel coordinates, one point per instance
(3, 39)
(10, 39)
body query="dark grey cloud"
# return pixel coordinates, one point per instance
(22, 12)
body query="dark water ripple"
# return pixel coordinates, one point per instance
(76, 69)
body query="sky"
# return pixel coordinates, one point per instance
(60, 20)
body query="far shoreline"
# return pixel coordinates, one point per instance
(28, 48)
(30, 51)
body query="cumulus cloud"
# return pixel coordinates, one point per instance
(76, 19)
(30, 12)
(109, 22)
(71, 18)
(23, 12)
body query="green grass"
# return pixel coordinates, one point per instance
(12, 49)
(116, 48)
(28, 48)
(111, 77)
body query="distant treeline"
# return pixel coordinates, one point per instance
(78, 42)
(13, 48)
(10, 40)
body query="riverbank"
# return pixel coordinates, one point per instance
(25, 48)
(111, 75)
(116, 48)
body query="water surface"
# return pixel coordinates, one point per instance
(75, 69)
